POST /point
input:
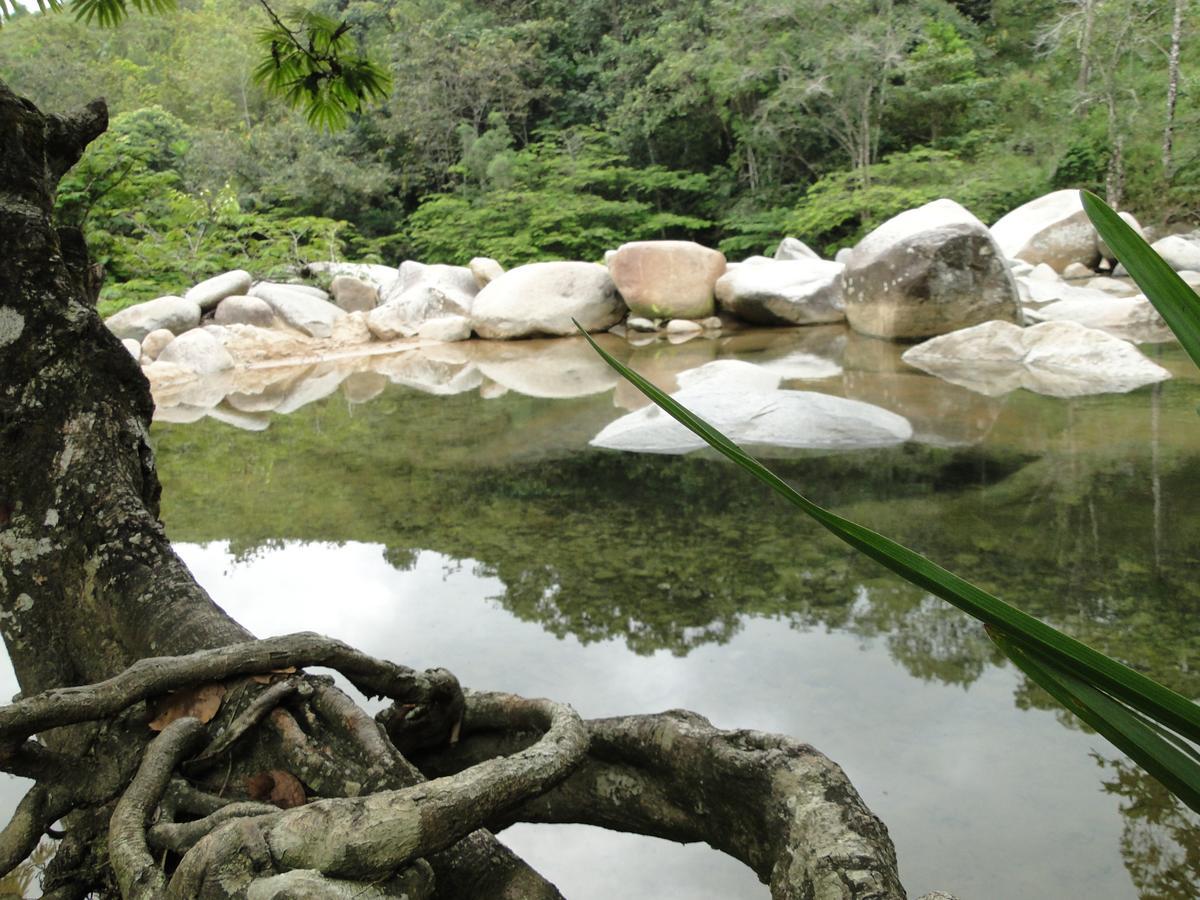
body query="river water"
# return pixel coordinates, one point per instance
(445, 509)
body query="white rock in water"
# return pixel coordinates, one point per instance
(1129, 318)
(544, 298)
(729, 373)
(637, 323)
(794, 248)
(212, 291)
(1061, 359)
(176, 314)
(793, 292)
(197, 351)
(684, 326)
(448, 329)
(792, 419)
(300, 309)
(803, 366)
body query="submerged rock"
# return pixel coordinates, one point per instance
(1060, 359)
(758, 416)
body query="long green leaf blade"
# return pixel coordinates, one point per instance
(1155, 700)
(1175, 768)
(1175, 301)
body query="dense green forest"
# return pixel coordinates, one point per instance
(527, 129)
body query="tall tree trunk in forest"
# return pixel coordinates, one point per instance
(266, 781)
(1085, 46)
(1168, 142)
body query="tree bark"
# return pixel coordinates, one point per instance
(1168, 161)
(110, 637)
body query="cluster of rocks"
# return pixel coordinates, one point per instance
(927, 272)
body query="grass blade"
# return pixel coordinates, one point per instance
(1159, 755)
(1175, 301)
(1144, 694)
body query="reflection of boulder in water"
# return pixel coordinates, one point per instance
(265, 396)
(322, 381)
(225, 413)
(1060, 359)
(553, 369)
(362, 387)
(660, 363)
(429, 372)
(766, 418)
(762, 345)
(179, 414)
(942, 414)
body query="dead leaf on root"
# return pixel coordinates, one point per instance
(278, 787)
(200, 703)
(273, 676)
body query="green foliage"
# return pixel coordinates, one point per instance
(570, 196)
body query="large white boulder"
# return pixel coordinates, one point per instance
(1178, 252)
(244, 310)
(354, 294)
(485, 269)
(1053, 229)
(800, 291)
(667, 279)
(763, 417)
(1061, 359)
(543, 298)
(300, 309)
(176, 314)
(212, 291)
(199, 352)
(927, 271)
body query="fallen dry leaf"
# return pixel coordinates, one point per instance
(267, 679)
(200, 702)
(278, 787)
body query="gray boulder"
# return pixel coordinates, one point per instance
(794, 248)
(667, 279)
(265, 287)
(302, 310)
(176, 314)
(1130, 318)
(199, 352)
(795, 292)
(928, 271)
(354, 294)
(1053, 229)
(243, 310)
(1061, 359)
(758, 416)
(1178, 252)
(543, 298)
(212, 291)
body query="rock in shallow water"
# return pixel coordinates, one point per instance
(1060, 359)
(757, 416)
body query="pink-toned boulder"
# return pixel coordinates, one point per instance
(667, 279)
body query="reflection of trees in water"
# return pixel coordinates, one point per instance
(672, 553)
(1160, 840)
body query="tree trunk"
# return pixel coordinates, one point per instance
(289, 789)
(1168, 142)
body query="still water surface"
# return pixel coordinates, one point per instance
(445, 509)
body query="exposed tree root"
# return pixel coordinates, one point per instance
(776, 804)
